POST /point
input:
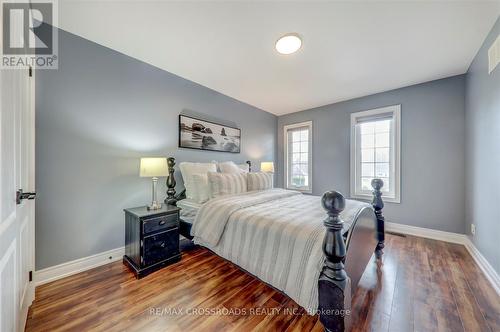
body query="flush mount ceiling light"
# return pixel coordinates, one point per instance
(289, 43)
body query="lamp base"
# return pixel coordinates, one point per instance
(154, 206)
(154, 202)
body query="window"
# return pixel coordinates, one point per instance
(375, 149)
(298, 156)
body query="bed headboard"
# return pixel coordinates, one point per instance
(172, 197)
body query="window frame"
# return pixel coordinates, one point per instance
(395, 154)
(286, 128)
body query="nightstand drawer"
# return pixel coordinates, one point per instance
(159, 224)
(161, 246)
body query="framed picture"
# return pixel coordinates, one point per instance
(205, 135)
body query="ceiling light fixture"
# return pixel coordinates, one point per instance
(289, 43)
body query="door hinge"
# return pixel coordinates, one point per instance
(30, 71)
(31, 276)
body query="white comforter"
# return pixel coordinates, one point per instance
(274, 234)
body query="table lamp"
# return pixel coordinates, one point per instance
(154, 168)
(267, 167)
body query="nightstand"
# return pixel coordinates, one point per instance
(151, 238)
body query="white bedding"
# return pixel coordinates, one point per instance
(274, 234)
(189, 209)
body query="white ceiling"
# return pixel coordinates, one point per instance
(350, 49)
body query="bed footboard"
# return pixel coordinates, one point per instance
(367, 235)
(334, 292)
(361, 242)
(378, 205)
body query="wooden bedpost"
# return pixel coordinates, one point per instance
(378, 205)
(171, 200)
(334, 289)
(249, 165)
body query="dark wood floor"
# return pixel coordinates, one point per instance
(423, 285)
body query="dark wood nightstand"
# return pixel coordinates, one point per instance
(151, 239)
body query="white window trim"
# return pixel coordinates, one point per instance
(396, 111)
(309, 162)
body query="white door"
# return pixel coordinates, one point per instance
(17, 220)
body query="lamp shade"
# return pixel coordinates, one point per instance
(267, 166)
(153, 167)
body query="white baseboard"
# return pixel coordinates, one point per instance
(79, 265)
(485, 266)
(462, 239)
(426, 232)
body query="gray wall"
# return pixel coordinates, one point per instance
(482, 104)
(96, 116)
(432, 156)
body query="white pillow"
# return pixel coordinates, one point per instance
(259, 181)
(229, 167)
(227, 183)
(244, 167)
(201, 187)
(189, 169)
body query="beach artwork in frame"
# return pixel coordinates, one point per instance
(205, 135)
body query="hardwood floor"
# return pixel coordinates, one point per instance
(423, 285)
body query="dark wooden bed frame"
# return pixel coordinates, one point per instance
(346, 255)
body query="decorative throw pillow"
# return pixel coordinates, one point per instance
(227, 183)
(201, 187)
(229, 167)
(189, 169)
(244, 167)
(259, 181)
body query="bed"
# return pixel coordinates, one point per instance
(287, 240)
(189, 209)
